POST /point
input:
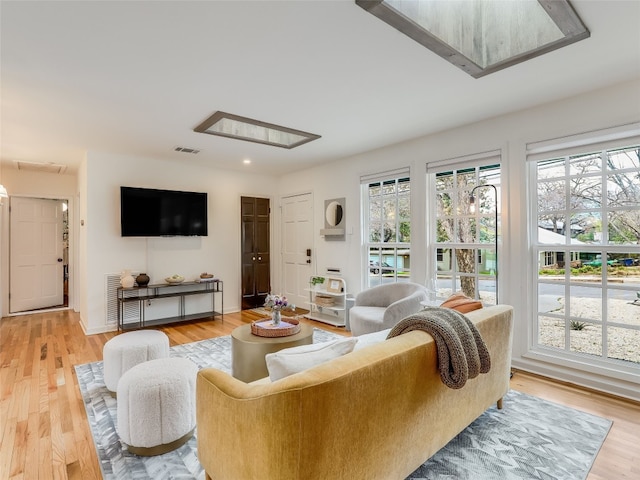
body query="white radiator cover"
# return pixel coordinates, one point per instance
(111, 285)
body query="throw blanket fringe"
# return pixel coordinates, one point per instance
(462, 354)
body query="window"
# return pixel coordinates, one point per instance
(464, 242)
(587, 214)
(388, 230)
(548, 258)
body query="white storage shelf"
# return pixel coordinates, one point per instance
(336, 314)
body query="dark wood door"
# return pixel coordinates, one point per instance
(256, 272)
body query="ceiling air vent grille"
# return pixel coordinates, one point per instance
(186, 150)
(41, 167)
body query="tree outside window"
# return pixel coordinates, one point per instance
(588, 215)
(466, 241)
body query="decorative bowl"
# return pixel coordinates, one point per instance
(174, 279)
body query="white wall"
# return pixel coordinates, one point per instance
(106, 252)
(609, 107)
(342, 179)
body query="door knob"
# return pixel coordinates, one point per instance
(259, 258)
(59, 259)
(254, 259)
(308, 260)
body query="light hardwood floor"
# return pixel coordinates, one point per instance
(45, 434)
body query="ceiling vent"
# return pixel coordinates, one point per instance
(41, 167)
(186, 150)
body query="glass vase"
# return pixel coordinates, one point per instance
(276, 317)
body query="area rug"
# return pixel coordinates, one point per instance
(529, 439)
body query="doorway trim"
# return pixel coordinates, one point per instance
(6, 254)
(312, 243)
(241, 252)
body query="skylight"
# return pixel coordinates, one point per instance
(483, 36)
(243, 128)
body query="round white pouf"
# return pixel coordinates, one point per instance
(128, 350)
(157, 405)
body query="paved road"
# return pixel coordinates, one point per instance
(551, 292)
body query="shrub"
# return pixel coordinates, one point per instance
(551, 271)
(575, 325)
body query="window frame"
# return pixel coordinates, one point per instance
(388, 256)
(483, 162)
(601, 363)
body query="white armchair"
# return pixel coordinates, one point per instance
(382, 307)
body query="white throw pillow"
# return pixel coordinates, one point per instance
(372, 338)
(296, 359)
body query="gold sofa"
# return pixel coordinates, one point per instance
(376, 413)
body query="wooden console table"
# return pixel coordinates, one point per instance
(142, 295)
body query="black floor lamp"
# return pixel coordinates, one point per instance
(472, 208)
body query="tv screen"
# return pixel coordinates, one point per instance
(146, 212)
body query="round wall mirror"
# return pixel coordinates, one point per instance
(333, 214)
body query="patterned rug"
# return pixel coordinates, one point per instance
(529, 439)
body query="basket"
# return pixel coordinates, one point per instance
(325, 300)
(266, 328)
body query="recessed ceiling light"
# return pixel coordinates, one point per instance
(246, 161)
(483, 36)
(243, 128)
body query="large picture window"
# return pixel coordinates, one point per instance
(586, 246)
(387, 230)
(466, 238)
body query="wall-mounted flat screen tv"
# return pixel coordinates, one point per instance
(146, 212)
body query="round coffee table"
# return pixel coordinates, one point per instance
(248, 350)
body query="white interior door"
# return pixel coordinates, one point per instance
(36, 254)
(297, 238)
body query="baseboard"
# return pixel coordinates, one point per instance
(607, 385)
(96, 330)
(113, 328)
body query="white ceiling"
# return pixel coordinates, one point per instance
(137, 77)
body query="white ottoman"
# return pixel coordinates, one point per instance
(128, 350)
(157, 405)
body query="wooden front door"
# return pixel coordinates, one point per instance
(256, 272)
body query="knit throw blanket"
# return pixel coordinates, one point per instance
(462, 354)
